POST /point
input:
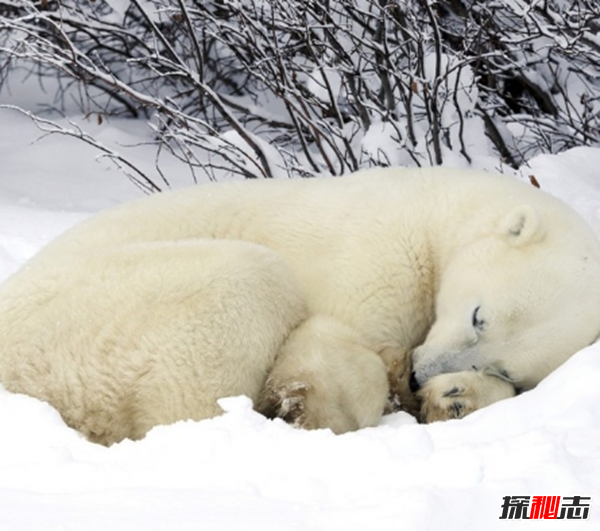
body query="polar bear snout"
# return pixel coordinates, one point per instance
(425, 365)
(413, 383)
(431, 362)
(421, 376)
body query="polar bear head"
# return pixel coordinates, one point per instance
(517, 300)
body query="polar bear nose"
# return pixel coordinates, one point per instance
(413, 382)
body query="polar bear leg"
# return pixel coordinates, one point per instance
(455, 395)
(324, 378)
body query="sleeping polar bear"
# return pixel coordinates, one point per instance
(309, 296)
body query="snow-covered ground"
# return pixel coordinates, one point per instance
(243, 472)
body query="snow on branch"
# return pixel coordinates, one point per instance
(301, 88)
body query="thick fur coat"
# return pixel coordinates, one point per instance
(309, 296)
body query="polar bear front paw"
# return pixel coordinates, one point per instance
(445, 402)
(455, 395)
(287, 402)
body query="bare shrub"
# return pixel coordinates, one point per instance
(300, 88)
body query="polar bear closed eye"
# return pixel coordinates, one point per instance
(309, 296)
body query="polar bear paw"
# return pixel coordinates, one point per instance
(455, 395)
(445, 403)
(287, 402)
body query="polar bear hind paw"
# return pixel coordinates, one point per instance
(287, 402)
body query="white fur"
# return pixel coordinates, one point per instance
(147, 313)
(123, 338)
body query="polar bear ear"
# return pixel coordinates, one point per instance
(523, 226)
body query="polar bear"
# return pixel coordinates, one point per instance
(323, 300)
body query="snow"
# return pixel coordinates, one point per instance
(242, 471)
